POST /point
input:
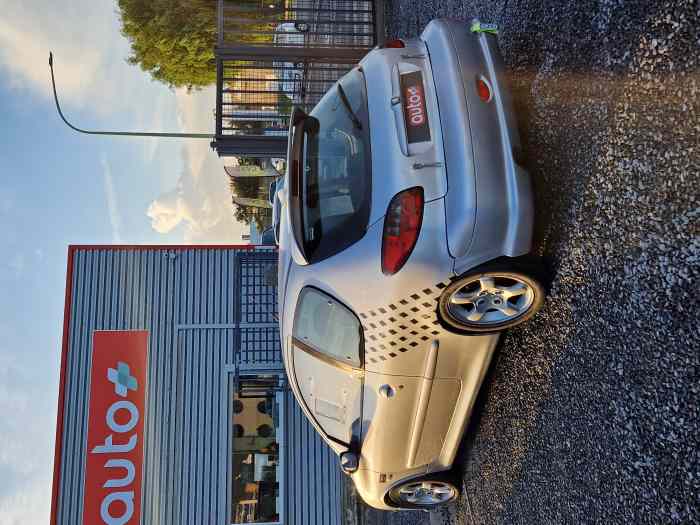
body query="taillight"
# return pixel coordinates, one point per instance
(394, 43)
(483, 89)
(401, 228)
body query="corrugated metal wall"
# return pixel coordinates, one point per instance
(310, 463)
(190, 301)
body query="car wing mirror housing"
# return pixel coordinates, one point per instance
(349, 462)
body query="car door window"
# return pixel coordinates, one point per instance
(327, 349)
(328, 326)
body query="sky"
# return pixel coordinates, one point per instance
(59, 188)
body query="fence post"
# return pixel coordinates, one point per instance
(335, 55)
(263, 146)
(379, 23)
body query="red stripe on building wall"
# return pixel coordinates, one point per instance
(177, 247)
(62, 386)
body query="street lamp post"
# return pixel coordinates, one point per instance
(121, 133)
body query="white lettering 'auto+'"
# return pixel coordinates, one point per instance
(123, 511)
(122, 379)
(127, 504)
(415, 106)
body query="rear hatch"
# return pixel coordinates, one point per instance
(406, 138)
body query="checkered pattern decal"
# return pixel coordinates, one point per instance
(407, 324)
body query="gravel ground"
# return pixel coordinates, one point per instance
(591, 413)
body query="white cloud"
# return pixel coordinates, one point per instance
(196, 108)
(89, 57)
(195, 115)
(26, 36)
(200, 203)
(201, 200)
(28, 410)
(161, 106)
(115, 219)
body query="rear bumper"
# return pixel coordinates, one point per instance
(488, 206)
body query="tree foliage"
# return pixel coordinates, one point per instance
(173, 40)
(251, 188)
(262, 217)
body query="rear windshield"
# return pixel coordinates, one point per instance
(334, 161)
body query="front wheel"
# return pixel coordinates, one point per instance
(423, 493)
(490, 299)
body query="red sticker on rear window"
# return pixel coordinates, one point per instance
(415, 108)
(415, 105)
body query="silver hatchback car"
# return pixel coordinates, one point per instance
(403, 219)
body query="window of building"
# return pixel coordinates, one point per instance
(256, 469)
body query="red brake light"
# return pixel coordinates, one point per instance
(395, 43)
(401, 228)
(483, 90)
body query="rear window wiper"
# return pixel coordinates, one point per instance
(344, 99)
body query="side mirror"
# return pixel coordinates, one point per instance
(349, 462)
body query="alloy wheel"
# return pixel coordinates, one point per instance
(425, 493)
(491, 299)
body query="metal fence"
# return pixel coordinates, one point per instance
(276, 54)
(297, 23)
(257, 95)
(258, 341)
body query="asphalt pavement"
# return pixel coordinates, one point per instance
(590, 413)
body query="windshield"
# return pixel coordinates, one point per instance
(333, 172)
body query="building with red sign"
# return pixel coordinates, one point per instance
(173, 407)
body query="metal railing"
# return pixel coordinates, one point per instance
(258, 340)
(297, 23)
(256, 386)
(257, 95)
(276, 54)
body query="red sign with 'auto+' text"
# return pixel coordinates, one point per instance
(114, 466)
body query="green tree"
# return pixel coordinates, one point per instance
(247, 214)
(173, 40)
(251, 188)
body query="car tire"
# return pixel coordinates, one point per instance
(425, 493)
(491, 298)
